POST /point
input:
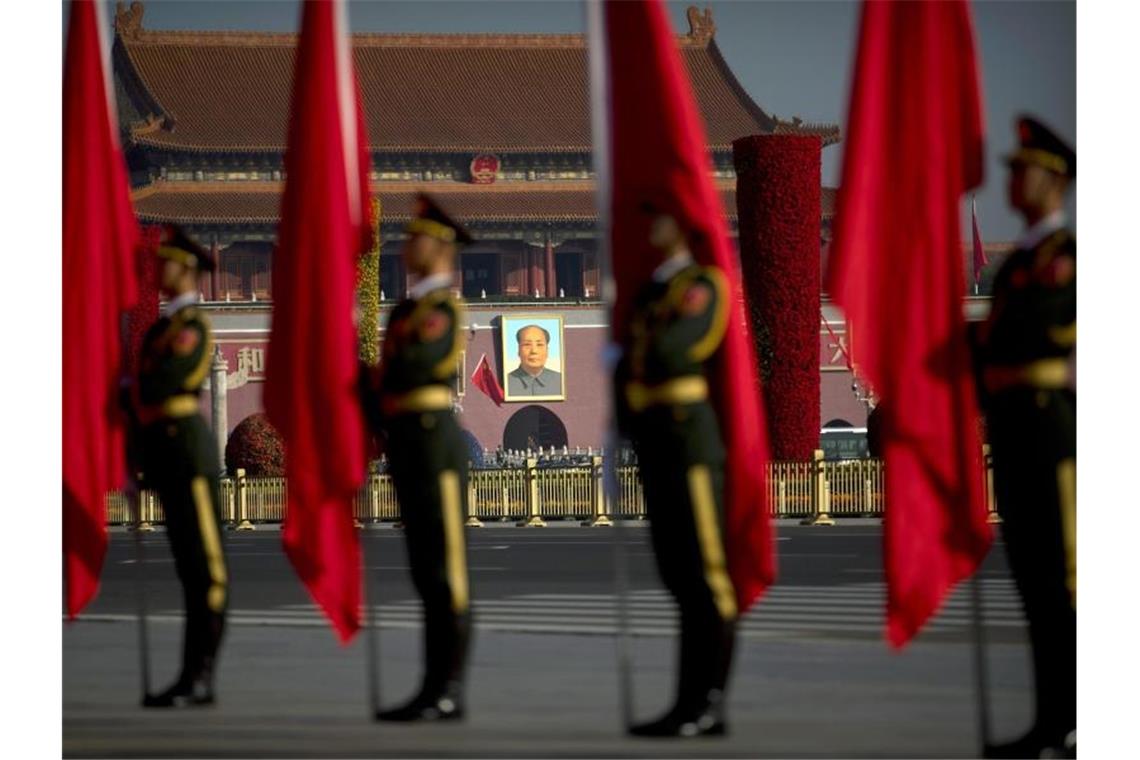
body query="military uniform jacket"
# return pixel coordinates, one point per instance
(173, 365)
(1034, 310)
(422, 344)
(175, 357)
(677, 324)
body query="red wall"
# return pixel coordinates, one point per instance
(243, 332)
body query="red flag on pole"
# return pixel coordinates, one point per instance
(980, 258)
(311, 372)
(99, 237)
(914, 146)
(660, 150)
(485, 380)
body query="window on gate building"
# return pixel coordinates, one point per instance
(480, 274)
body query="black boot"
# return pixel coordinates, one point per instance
(441, 696)
(442, 704)
(190, 690)
(195, 684)
(1035, 744)
(705, 720)
(699, 709)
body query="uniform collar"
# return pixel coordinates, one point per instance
(1043, 229)
(428, 284)
(670, 266)
(178, 302)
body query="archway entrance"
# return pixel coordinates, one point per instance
(534, 426)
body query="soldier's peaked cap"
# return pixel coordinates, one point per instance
(663, 203)
(429, 219)
(1037, 144)
(176, 245)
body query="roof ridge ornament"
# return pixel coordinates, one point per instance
(128, 21)
(701, 26)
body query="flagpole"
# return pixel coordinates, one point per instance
(981, 682)
(600, 128)
(140, 594)
(370, 623)
(974, 238)
(136, 499)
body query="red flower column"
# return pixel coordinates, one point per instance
(778, 204)
(145, 312)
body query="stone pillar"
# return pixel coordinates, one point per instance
(778, 205)
(218, 391)
(216, 275)
(551, 272)
(535, 282)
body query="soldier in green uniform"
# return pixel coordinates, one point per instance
(1022, 353)
(179, 460)
(678, 322)
(410, 400)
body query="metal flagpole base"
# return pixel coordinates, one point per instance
(245, 525)
(994, 518)
(601, 521)
(473, 522)
(821, 519)
(534, 522)
(145, 527)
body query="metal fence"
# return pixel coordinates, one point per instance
(533, 491)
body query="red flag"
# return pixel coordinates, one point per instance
(660, 150)
(980, 258)
(311, 373)
(99, 237)
(914, 146)
(484, 379)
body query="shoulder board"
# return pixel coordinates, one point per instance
(432, 304)
(185, 314)
(712, 274)
(679, 285)
(439, 295)
(1058, 241)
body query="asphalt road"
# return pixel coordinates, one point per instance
(813, 676)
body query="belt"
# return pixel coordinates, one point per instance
(1044, 374)
(182, 405)
(427, 398)
(682, 390)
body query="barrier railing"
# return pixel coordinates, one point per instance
(854, 487)
(499, 494)
(531, 492)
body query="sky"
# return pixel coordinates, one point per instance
(793, 57)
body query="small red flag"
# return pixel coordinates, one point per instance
(914, 146)
(660, 150)
(311, 373)
(485, 380)
(99, 238)
(980, 258)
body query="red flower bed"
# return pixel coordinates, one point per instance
(256, 446)
(778, 204)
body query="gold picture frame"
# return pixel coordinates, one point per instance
(544, 350)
